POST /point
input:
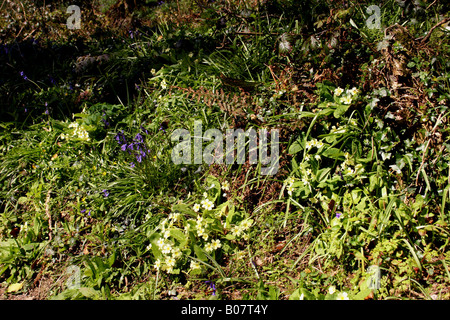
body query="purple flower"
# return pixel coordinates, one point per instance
(145, 130)
(22, 74)
(105, 193)
(212, 286)
(138, 138)
(120, 137)
(105, 122)
(139, 158)
(123, 147)
(338, 215)
(132, 165)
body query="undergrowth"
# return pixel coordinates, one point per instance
(92, 200)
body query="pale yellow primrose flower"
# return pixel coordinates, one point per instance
(290, 180)
(170, 262)
(342, 296)
(160, 243)
(195, 265)
(216, 244)
(174, 216)
(208, 204)
(319, 144)
(346, 99)
(246, 224)
(200, 232)
(209, 247)
(353, 91)
(225, 185)
(331, 289)
(338, 91)
(289, 189)
(164, 84)
(240, 255)
(166, 249)
(176, 252)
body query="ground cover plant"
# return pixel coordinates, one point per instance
(94, 207)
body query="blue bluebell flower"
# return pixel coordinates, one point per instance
(22, 74)
(138, 138)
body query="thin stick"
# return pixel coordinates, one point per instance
(438, 121)
(427, 37)
(431, 5)
(49, 216)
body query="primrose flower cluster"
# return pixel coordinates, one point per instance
(167, 245)
(236, 231)
(78, 131)
(349, 168)
(135, 147)
(290, 185)
(313, 143)
(306, 177)
(348, 97)
(178, 234)
(332, 293)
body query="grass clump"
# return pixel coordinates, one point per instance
(94, 207)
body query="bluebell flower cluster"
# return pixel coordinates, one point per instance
(135, 147)
(52, 80)
(105, 120)
(5, 48)
(211, 286)
(22, 74)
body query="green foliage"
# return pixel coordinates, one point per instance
(87, 180)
